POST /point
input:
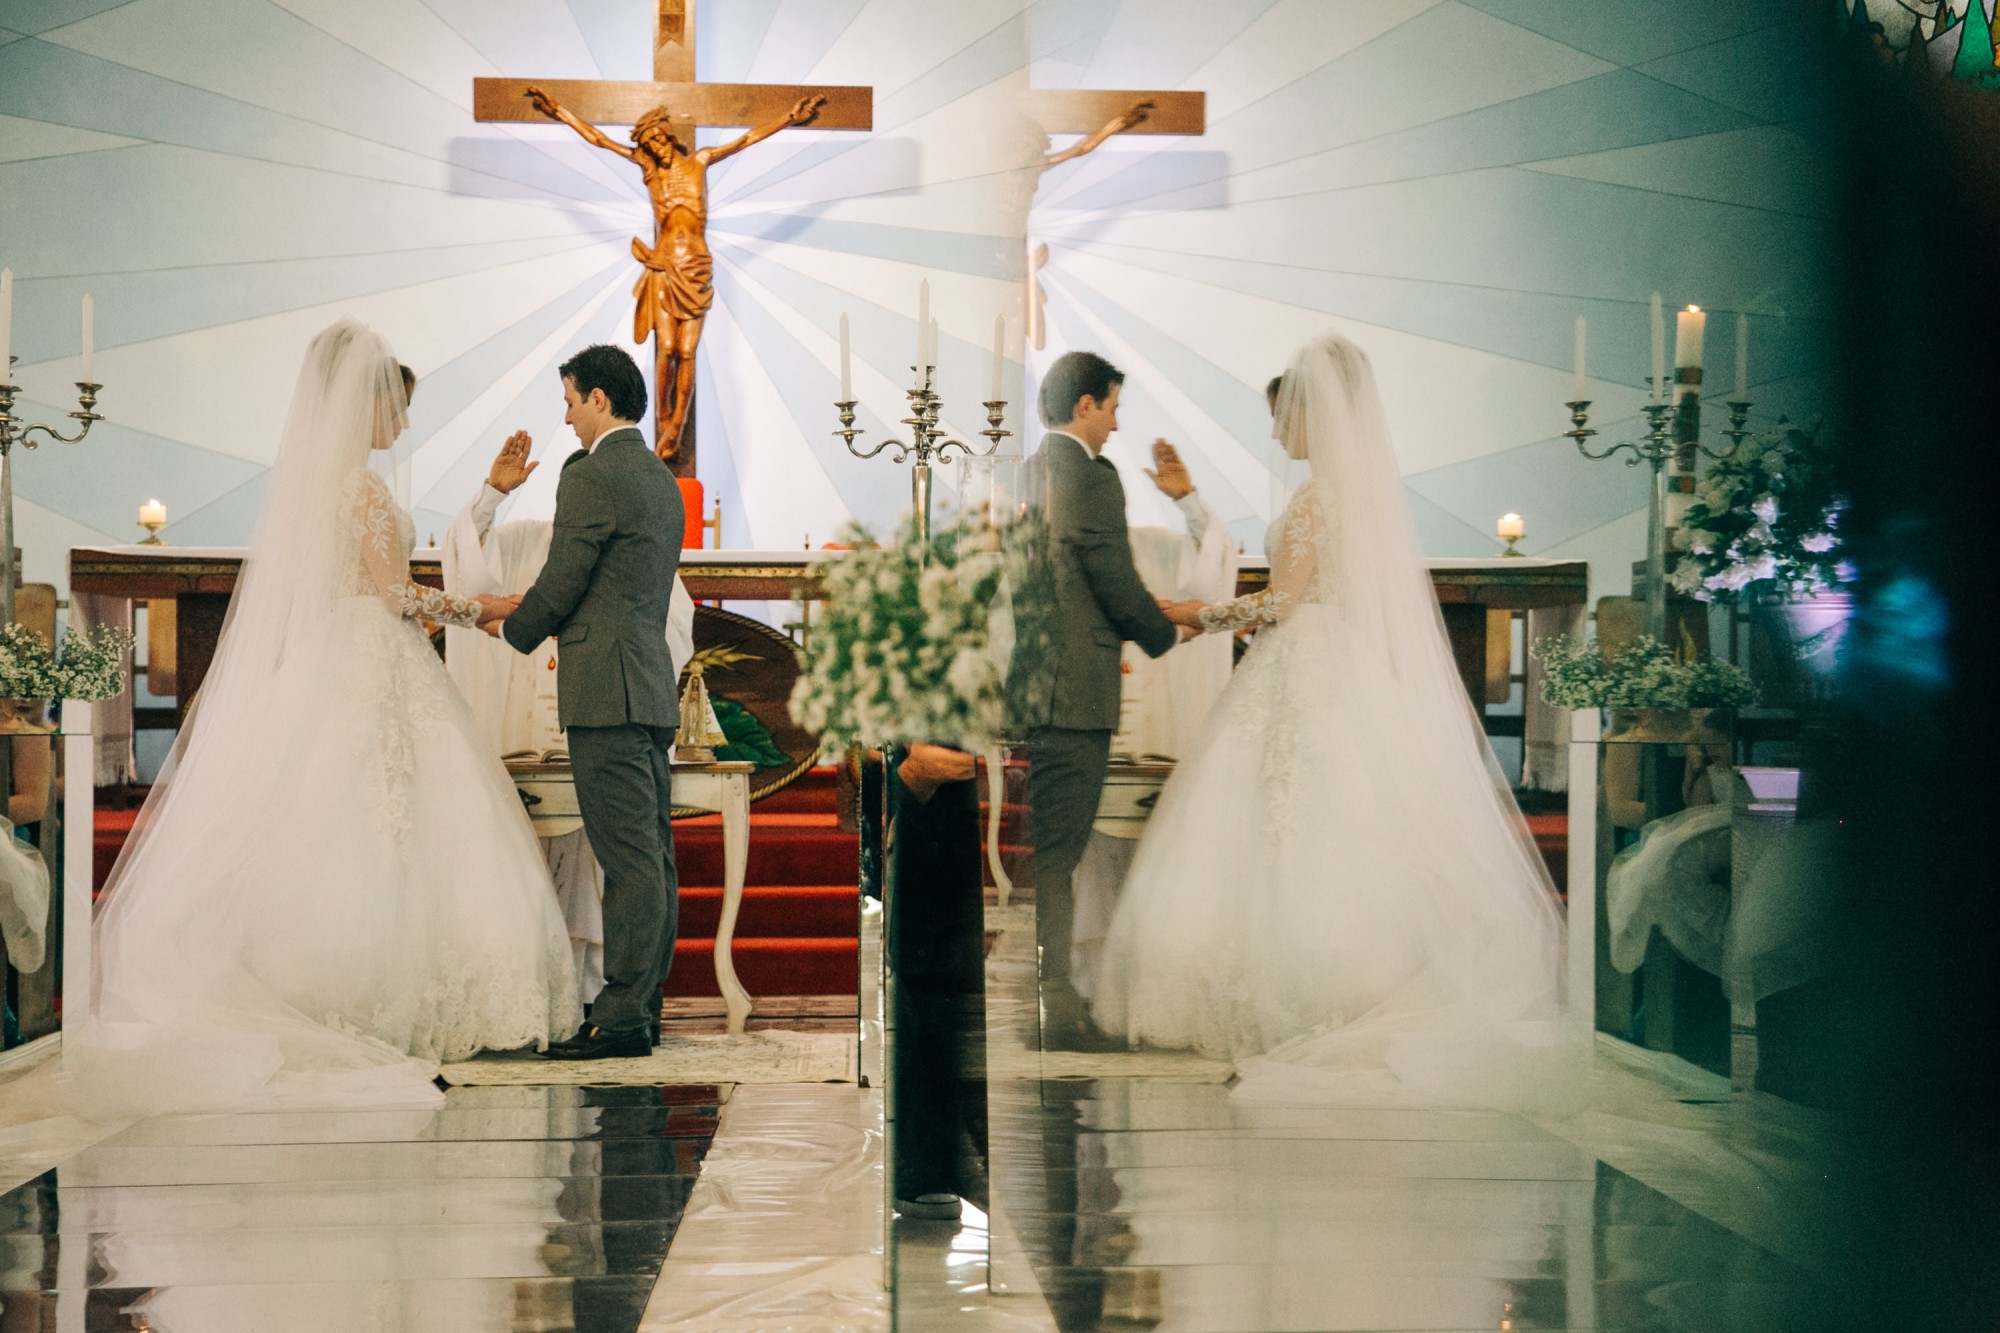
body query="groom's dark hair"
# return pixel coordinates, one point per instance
(1074, 377)
(612, 370)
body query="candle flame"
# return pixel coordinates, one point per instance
(1694, 310)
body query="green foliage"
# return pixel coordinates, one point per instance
(749, 739)
(90, 665)
(1644, 674)
(906, 650)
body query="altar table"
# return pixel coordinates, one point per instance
(200, 579)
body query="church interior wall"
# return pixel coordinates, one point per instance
(1450, 181)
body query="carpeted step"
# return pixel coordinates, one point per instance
(784, 849)
(1551, 834)
(774, 911)
(824, 966)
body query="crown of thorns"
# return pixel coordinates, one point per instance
(658, 118)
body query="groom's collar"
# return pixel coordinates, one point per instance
(1088, 452)
(615, 433)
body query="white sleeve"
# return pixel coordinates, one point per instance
(1197, 513)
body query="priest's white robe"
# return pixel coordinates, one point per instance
(513, 695)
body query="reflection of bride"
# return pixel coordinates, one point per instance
(1336, 883)
(333, 886)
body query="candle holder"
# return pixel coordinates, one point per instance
(13, 431)
(927, 443)
(1662, 444)
(1511, 549)
(153, 526)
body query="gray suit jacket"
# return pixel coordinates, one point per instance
(1099, 599)
(605, 589)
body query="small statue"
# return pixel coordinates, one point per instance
(700, 730)
(676, 288)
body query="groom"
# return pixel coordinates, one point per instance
(1071, 707)
(604, 593)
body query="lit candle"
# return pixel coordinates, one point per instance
(923, 322)
(999, 337)
(1659, 350)
(1576, 390)
(1510, 528)
(89, 341)
(1742, 357)
(152, 513)
(1688, 326)
(6, 324)
(846, 369)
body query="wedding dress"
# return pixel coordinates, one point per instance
(333, 886)
(1336, 889)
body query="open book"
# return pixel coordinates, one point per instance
(557, 756)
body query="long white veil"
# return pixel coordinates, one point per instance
(181, 1020)
(1494, 933)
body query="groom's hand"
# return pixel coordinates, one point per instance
(1185, 614)
(493, 609)
(511, 467)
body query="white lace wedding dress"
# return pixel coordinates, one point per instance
(333, 886)
(1336, 889)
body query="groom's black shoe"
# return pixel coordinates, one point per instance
(592, 1042)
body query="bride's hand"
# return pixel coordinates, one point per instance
(494, 608)
(1185, 614)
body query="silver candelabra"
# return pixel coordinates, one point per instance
(1673, 435)
(13, 432)
(927, 440)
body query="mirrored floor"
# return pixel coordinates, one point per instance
(544, 1209)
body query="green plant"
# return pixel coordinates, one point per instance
(1643, 674)
(905, 650)
(90, 665)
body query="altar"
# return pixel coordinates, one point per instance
(1478, 597)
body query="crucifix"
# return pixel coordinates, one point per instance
(1099, 113)
(675, 290)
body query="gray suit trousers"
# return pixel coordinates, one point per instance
(624, 790)
(1065, 782)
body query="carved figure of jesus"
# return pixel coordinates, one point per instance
(676, 287)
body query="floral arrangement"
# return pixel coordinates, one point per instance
(90, 665)
(904, 651)
(1644, 674)
(1764, 519)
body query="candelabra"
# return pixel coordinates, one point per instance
(13, 432)
(1673, 433)
(927, 440)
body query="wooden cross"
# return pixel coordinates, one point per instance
(1096, 112)
(688, 104)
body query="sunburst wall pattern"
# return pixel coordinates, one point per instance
(1450, 181)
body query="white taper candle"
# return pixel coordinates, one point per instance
(1576, 389)
(999, 338)
(89, 340)
(6, 324)
(923, 322)
(846, 367)
(1742, 356)
(1659, 349)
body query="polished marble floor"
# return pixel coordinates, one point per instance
(545, 1209)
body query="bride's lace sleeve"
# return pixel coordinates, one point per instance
(386, 564)
(1294, 572)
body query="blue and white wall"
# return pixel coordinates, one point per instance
(1450, 181)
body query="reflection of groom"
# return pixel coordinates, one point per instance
(604, 592)
(1073, 709)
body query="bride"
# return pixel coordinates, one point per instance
(333, 886)
(1336, 889)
